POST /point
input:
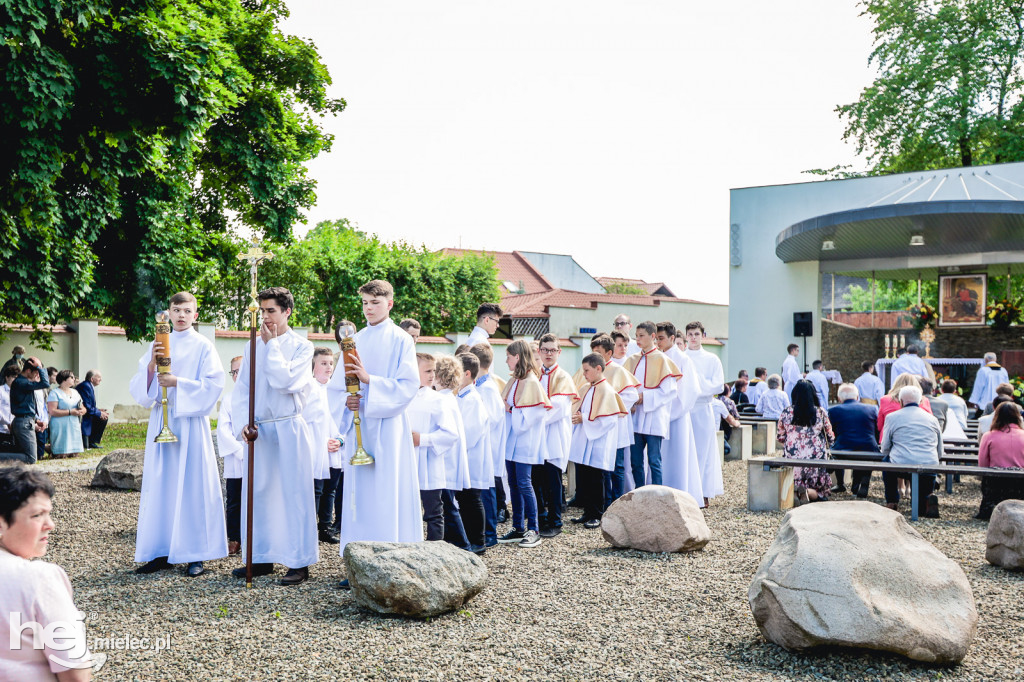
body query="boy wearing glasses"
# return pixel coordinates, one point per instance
(547, 479)
(488, 315)
(623, 324)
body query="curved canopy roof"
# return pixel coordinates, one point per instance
(939, 215)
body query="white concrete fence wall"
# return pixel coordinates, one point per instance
(86, 345)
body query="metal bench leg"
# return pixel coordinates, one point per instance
(949, 484)
(914, 493)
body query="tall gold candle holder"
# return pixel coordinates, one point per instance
(348, 352)
(887, 345)
(163, 366)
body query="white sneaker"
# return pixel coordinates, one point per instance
(530, 539)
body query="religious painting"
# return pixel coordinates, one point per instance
(962, 300)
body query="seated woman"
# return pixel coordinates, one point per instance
(1002, 447)
(35, 591)
(806, 433)
(64, 404)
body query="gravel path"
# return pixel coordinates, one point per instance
(570, 609)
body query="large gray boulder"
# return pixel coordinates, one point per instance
(417, 579)
(120, 469)
(857, 574)
(1005, 539)
(656, 518)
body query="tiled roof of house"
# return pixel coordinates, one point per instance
(512, 268)
(536, 305)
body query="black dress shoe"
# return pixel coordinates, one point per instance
(295, 576)
(257, 570)
(592, 523)
(158, 564)
(580, 519)
(195, 569)
(550, 532)
(838, 489)
(344, 585)
(329, 538)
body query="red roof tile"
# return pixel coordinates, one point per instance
(513, 268)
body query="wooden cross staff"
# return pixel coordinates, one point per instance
(254, 256)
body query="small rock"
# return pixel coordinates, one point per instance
(120, 469)
(856, 574)
(1005, 539)
(656, 518)
(417, 579)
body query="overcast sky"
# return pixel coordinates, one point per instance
(611, 131)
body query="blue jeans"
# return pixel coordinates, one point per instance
(653, 445)
(325, 507)
(618, 476)
(490, 499)
(454, 531)
(24, 431)
(524, 502)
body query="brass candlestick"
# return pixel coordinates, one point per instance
(163, 366)
(886, 337)
(348, 352)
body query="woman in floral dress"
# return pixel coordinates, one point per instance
(803, 429)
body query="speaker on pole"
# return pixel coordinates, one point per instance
(802, 324)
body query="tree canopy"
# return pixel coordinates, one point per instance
(949, 87)
(325, 269)
(140, 135)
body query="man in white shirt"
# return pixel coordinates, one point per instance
(791, 370)
(869, 386)
(623, 324)
(816, 377)
(488, 316)
(909, 363)
(758, 385)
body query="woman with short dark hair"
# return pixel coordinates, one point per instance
(64, 405)
(35, 592)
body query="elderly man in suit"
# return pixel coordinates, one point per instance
(854, 424)
(912, 436)
(95, 420)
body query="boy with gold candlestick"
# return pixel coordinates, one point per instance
(381, 501)
(181, 518)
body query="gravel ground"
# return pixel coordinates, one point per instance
(570, 609)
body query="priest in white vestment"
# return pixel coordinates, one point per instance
(284, 517)
(181, 517)
(705, 426)
(381, 500)
(988, 377)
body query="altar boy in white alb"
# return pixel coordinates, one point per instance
(712, 380)
(381, 500)
(181, 518)
(284, 516)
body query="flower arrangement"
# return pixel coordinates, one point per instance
(923, 315)
(1018, 387)
(1003, 313)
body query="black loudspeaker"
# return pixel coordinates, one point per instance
(802, 324)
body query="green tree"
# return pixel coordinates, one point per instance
(891, 295)
(949, 87)
(624, 288)
(325, 269)
(140, 135)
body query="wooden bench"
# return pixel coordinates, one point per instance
(913, 470)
